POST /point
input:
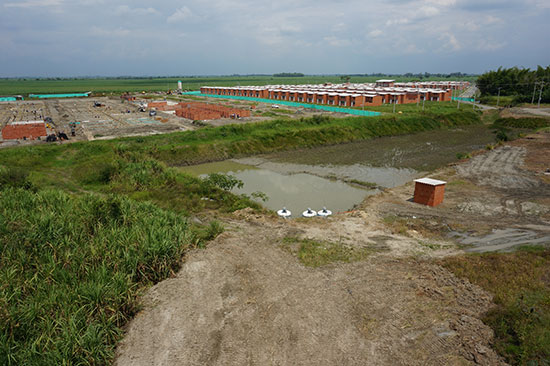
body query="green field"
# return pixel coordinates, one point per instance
(115, 85)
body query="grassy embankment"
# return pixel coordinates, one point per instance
(114, 85)
(520, 284)
(526, 122)
(77, 248)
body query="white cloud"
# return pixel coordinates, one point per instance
(102, 32)
(339, 27)
(375, 33)
(337, 42)
(180, 15)
(442, 2)
(397, 21)
(490, 45)
(451, 41)
(126, 10)
(490, 19)
(429, 11)
(33, 3)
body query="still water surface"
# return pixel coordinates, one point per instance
(324, 176)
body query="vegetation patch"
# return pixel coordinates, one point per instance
(520, 284)
(525, 122)
(313, 253)
(72, 267)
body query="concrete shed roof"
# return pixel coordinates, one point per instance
(430, 181)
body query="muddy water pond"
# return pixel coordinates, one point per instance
(341, 176)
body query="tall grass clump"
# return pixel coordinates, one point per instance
(14, 177)
(520, 285)
(71, 269)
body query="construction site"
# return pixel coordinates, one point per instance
(78, 117)
(24, 122)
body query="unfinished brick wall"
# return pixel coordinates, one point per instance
(202, 111)
(161, 106)
(27, 130)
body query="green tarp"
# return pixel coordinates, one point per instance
(7, 99)
(462, 99)
(70, 95)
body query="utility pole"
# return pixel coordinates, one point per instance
(498, 97)
(395, 101)
(534, 91)
(458, 105)
(423, 100)
(540, 93)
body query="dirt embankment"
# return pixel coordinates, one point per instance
(247, 300)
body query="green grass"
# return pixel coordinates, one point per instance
(313, 253)
(26, 86)
(524, 122)
(72, 268)
(220, 143)
(520, 285)
(503, 101)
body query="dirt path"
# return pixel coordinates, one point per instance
(499, 168)
(246, 301)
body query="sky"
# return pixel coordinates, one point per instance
(62, 38)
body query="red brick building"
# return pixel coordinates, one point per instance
(429, 191)
(347, 95)
(24, 130)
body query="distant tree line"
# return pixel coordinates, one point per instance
(288, 75)
(522, 83)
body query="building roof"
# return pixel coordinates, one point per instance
(430, 181)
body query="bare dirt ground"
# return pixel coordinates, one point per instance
(245, 301)
(497, 200)
(529, 111)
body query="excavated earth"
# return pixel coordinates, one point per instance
(248, 300)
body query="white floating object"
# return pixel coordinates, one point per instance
(309, 213)
(284, 212)
(324, 212)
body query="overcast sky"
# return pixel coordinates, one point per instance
(215, 37)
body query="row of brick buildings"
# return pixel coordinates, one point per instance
(345, 95)
(199, 111)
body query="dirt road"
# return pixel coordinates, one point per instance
(499, 168)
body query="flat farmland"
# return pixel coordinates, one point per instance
(25, 86)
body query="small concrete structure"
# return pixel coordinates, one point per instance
(429, 191)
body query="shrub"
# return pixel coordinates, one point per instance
(15, 178)
(224, 181)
